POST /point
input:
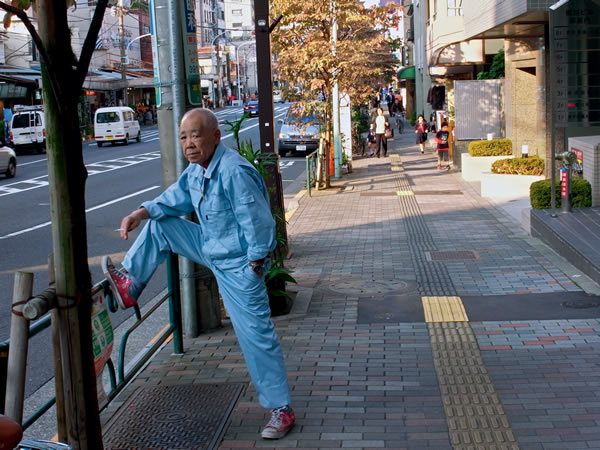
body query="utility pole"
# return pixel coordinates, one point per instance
(120, 12)
(265, 115)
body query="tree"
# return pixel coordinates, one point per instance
(63, 74)
(496, 68)
(302, 43)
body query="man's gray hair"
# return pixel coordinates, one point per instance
(209, 118)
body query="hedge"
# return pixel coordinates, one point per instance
(581, 193)
(519, 166)
(495, 147)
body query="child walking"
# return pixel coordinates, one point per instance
(442, 137)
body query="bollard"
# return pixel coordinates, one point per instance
(17, 353)
(567, 159)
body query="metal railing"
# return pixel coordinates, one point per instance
(311, 170)
(120, 376)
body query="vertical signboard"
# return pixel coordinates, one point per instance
(190, 53)
(575, 35)
(155, 59)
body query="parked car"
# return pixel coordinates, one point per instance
(251, 108)
(300, 132)
(277, 97)
(116, 124)
(28, 128)
(8, 161)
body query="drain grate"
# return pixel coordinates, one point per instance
(173, 417)
(580, 304)
(451, 255)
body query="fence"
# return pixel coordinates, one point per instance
(120, 376)
(311, 170)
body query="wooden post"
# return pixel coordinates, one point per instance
(61, 421)
(17, 353)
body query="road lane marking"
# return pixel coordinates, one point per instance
(93, 208)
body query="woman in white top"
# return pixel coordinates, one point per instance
(381, 124)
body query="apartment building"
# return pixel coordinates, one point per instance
(456, 39)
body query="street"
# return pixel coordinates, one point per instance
(120, 178)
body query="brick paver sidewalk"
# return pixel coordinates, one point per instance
(385, 355)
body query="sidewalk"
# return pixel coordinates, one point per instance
(426, 318)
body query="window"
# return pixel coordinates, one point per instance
(107, 117)
(236, 12)
(455, 8)
(237, 25)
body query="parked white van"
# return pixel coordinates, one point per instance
(116, 124)
(27, 128)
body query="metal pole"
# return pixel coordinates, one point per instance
(19, 344)
(237, 62)
(121, 15)
(186, 267)
(551, 68)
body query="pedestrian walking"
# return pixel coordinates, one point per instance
(380, 126)
(234, 236)
(442, 138)
(389, 100)
(421, 131)
(371, 143)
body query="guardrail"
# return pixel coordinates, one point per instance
(311, 170)
(120, 376)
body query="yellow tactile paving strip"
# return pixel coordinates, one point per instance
(444, 309)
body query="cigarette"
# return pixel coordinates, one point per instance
(119, 229)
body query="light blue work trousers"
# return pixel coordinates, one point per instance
(244, 295)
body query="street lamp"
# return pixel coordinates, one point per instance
(131, 42)
(237, 67)
(218, 98)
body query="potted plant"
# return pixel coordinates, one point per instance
(481, 155)
(278, 275)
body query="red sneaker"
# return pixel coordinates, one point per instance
(121, 284)
(281, 422)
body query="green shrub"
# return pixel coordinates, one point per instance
(495, 147)
(519, 166)
(581, 194)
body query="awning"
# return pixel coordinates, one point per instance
(406, 73)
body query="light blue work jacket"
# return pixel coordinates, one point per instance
(232, 205)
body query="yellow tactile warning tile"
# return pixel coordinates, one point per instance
(404, 193)
(444, 309)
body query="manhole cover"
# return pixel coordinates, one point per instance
(451, 255)
(580, 304)
(360, 287)
(173, 417)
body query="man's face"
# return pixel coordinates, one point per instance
(198, 141)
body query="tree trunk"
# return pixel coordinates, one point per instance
(67, 175)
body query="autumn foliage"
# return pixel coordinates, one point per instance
(304, 54)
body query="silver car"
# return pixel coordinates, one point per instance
(8, 161)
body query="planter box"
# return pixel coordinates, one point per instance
(499, 185)
(473, 166)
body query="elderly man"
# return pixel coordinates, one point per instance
(234, 236)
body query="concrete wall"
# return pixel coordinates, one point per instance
(525, 96)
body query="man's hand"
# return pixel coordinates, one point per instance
(131, 221)
(258, 266)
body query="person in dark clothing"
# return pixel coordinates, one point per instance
(389, 99)
(421, 131)
(442, 138)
